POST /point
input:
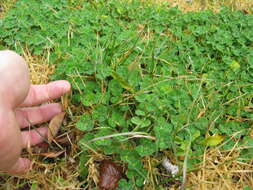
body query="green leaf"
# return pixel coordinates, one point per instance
(115, 88)
(235, 65)
(85, 123)
(85, 142)
(214, 140)
(141, 122)
(136, 120)
(123, 83)
(82, 162)
(90, 98)
(163, 133)
(247, 188)
(106, 141)
(125, 185)
(132, 158)
(100, 113)
(140, 113)
(146, 149)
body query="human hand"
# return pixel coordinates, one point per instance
(17, 111)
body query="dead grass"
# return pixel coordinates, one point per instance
(214, 5)
(40, 69)
(221, 170)
(5, 5)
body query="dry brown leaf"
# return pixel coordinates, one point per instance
(65, 100)
(52, 154)
(62, 140)
(43, 145)
(110, 174)
(54, 126)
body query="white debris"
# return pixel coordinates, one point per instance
(173, 169)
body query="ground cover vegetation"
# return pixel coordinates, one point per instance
(153, 81)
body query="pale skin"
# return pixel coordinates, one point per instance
(20, 106)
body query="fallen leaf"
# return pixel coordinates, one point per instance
(62, 140)
(181, 158)
(43, 145)
(52, 154)
(110, 174)
(54, 126)
(245, 11)
(214, 140)
(65, 100)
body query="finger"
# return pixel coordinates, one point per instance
(34, 136)
(42, 93)
(22, 166)
(37, 115)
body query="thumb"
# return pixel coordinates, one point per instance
(22, 166)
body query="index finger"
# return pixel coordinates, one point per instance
(42, 93)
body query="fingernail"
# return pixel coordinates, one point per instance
(66, 85)
(57, 107)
